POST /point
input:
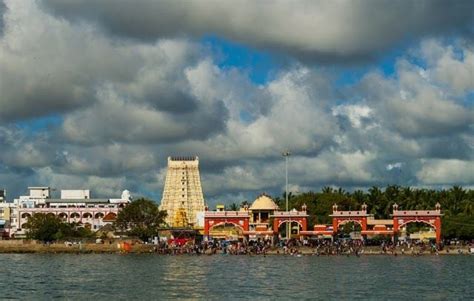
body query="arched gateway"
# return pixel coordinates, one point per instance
(262, 220)
(371, 226)
(430, 217)
(341, 217)
(214, 218)
(291, 217)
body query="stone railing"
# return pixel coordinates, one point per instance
(226, 214)
(416, 213)
(349, 213)
(289, 213)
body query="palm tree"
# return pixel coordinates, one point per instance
(359, 196)
(457, 195)
(327, 190)
(233, 207)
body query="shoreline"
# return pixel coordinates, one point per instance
(92, 248)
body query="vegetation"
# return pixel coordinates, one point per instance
(48, 228)
(457, 205)
(141, 218)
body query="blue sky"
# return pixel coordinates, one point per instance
(359, 101)
(259, 65)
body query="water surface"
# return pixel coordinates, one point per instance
(120, 277)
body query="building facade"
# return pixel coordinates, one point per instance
(74, 206)
(5, 213)
(262, 220)
(182, 194)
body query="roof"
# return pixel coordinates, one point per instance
(184, 158)
(109, 217)
(106, 228)
(86, 201)
(263, 202)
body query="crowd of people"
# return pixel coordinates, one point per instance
(296, 247)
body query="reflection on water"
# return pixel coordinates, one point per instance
(26, 276)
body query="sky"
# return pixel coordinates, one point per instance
(97, 94)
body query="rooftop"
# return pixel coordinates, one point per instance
(185, 158)
(264, 202)
(87, 201)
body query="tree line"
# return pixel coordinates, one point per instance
(457, 204)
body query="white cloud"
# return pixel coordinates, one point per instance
(109, 187)
(415, 106)
(124, 105)
(355, 113)
(446, 172)
(451, 65)
(397, 165)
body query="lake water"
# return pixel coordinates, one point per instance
(138, 277)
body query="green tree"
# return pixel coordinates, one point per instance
(49, 227)
(233, 207)
(457, 204)
(43, 227)
(141, 218)
(73, 230)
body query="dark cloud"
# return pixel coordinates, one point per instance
(322, 30)
(177, 102)
(48, 66)
(3, 8)
(452, 147)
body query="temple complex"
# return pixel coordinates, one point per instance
(182, 194)
(262, 220)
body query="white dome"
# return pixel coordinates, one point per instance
(126, 195)
(264, 202)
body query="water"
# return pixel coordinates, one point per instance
(120, 277)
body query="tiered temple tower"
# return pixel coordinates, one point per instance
(182, 195)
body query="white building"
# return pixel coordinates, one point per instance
(74, 206)
(5, 213)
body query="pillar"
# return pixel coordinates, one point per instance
(206, 227)
(364, 224)
(438, 229)
(395, 229)
(335, 225)
(246, 224)
(275, 224)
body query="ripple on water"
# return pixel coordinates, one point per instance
(95, 276)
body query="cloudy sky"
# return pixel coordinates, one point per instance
(97, 94)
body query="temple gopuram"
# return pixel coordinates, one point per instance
(182, 194)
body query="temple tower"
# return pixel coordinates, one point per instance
(182, 194)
